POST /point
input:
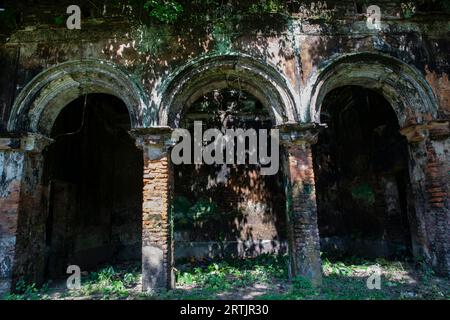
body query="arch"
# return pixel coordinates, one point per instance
(403, 86)
(37, 106)
(230, 71)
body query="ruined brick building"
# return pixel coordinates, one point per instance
(87, 115)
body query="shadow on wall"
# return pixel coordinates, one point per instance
(238, 249)
(228, 208)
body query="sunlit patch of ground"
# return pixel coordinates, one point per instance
(265, 277)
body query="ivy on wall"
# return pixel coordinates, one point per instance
(220, 16)
(166, 11)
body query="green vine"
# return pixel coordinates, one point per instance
(269, 6)
(166, 11)
(8, 19)
(199, 11)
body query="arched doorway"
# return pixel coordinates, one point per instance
(228, 210)
(60, 92)
(273, 91)
(362, 177)
(93, 173)
(416, 110)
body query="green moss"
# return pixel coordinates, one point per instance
(166, 11)
(59, 20)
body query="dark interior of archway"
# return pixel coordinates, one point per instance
(362, 180)
(94, 175)
(219, 206)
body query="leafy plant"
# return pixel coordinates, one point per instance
(27, 291)
(181, 206)
(202, 210)
(269, 6)
(408, 9)
(59, 20)
(186, 213)
(337, 269)
(301, 283)
(166, 11)
(109, 283)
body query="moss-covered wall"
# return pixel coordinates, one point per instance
(289, 57)
(297, 45)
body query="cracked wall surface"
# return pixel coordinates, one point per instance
(158, 70)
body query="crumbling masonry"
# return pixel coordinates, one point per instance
(157, 72)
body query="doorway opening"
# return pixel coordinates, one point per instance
(227, 211)
(93, 172)
(362, 177)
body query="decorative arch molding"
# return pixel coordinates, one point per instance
(402, 85)
(234, 71)
(37, 106)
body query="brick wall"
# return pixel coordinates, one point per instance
(302, 213)
(156, 224)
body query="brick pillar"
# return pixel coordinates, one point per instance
(303, 233)
(22, 210)
(429, 212)
(157, 245)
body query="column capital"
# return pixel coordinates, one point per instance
(435, 130)
(154, 141)
(292, 134)
(29, 142)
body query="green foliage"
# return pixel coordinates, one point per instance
(202, 210)
(59, 20)
(221, 32)
(109, 283)
(268, 6)
(408, 9)
(166, 11)
(235, 273)
(427, 271)
(181, 206)
(301, 283)
(187, 214)
(343, 280)
(337, 268)
(28, 291)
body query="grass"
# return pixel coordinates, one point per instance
(106, 283)
(220, 279)
(234, 273)
(264, 277)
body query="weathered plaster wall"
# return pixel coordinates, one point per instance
(144, 63)
(298, 50)
(11, 164)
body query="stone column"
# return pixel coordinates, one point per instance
(22, 210)
(303, 233)
(429, 212)
(157, 245)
